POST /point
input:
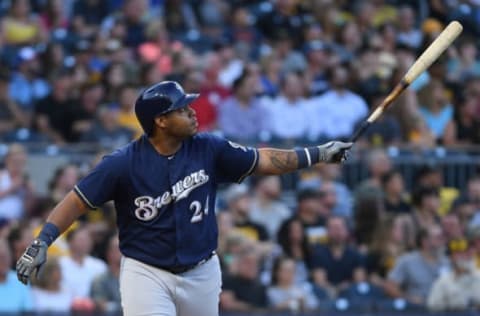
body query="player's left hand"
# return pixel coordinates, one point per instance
(334, 152)
(32, 259)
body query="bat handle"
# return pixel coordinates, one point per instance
(360, 130)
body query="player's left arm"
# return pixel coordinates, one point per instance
(272, 161)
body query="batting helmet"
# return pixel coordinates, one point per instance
(159, 99)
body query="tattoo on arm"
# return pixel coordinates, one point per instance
(276, 161)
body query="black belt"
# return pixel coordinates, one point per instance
(183, 269)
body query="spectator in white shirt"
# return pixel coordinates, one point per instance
(335, 113)
(48, 293)
(79, 269)
(288, 112)
(407, 33)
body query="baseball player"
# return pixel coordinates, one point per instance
(163, 186)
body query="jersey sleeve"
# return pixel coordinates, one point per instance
(99, 186)
(234, 162)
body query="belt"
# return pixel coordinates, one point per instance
(183, 269)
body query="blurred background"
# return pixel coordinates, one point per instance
(396, 228)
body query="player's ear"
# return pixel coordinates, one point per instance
(160, 121)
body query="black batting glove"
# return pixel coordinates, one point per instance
(32, 259)
(334, 152)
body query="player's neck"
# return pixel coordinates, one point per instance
(165, 146)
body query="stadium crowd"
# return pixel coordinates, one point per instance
(281, 71)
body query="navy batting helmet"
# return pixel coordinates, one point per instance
(159, 99)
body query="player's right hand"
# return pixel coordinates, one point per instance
(335, 152)
(32, 259)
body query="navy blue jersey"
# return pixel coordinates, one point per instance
(165, 205)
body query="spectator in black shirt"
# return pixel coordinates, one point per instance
(336, 264)
(242, 289)
(54, 114)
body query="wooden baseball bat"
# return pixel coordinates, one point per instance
(436, 48)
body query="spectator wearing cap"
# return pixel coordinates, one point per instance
(16, 298)
(289, 112)
(242, 117)
(338, 109)
(459, 289)
(26, 87)
(336, 264)
(311, 213)
(16, 191)
(415, 272)
(267, 209)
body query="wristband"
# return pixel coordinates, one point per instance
(49, 233)
(307, 156)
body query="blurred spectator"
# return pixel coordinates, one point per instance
(238, 200)
(289, 111)
(284, 293)
(426, 202)
(11, 116)
(105, 288)
(408, 34)
(311, 213)
(16, 298)
(87, 16)
(19, 237)
(16, 190)
(26, 86)
(54, 114)
(241, 289)
(435, 108)
(390, 241)
(369, 214)
(114, 78)
(414, 273)
(63, 181)
(336, 265)
(474, 239)
(378, 163)
(20, 26)
(179, 17)
(54, 18)
(270, 74)
(48, 293)
(464, 128)
(293, 242)
(266, 207)
(432, 176)
(242, 117)
(242, 31)
(79, 269)
(91, 95)
(338, 109)
(204, 106)
(466, 64)
(458, 289)
(318, 61)
(158, 48)
(452, 227)
(106, 131)
(395, 200)
(126, 116)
